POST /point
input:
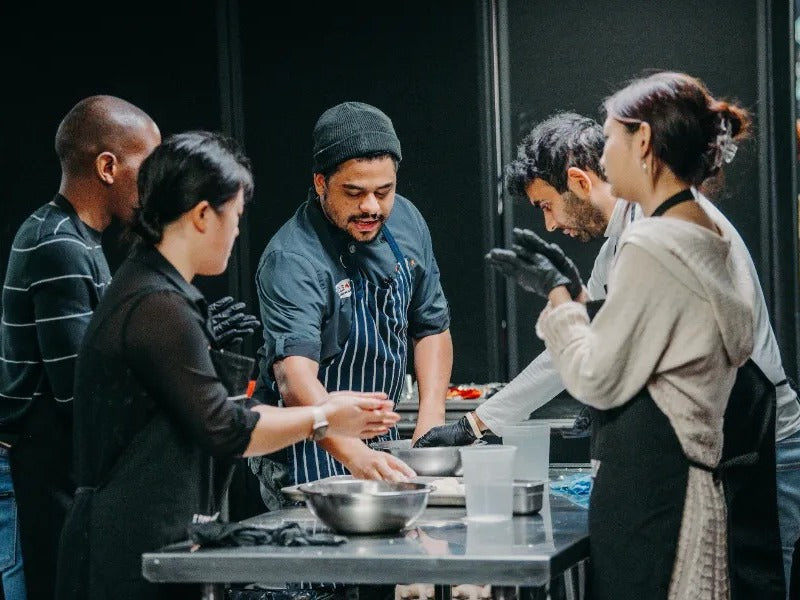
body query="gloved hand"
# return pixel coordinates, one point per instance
(229, 323)
(454, 434)
(582, 425)
(533, 244)
(533, 272)
(584, 419)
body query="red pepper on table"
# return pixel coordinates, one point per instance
(463, 392)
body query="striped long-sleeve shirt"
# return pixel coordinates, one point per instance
(56, 274)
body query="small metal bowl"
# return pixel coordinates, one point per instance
(528, 497)
(356, 506)
(442, 461)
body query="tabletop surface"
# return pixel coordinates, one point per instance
(440, 547)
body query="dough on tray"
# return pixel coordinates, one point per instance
(449, 486)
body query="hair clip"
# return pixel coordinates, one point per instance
(726, 147)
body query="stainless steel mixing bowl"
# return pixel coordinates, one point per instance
(442, 461)
(356, 506)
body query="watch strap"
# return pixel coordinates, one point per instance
(320, 424)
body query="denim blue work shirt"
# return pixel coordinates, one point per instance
(305, 291)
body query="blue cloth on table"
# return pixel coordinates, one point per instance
(575, 488)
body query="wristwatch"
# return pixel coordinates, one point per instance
(320, 426)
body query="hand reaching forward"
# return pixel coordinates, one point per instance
(359, 414)
(375, 464)
(453, 434)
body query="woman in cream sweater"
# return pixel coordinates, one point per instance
(660, 357)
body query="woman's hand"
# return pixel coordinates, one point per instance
(359, 414)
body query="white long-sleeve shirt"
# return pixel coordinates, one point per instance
(539, 382)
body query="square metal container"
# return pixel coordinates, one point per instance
(528, 497)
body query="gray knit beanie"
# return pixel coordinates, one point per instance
(350, 130)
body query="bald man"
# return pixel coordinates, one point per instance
(55, 277)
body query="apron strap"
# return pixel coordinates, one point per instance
(393, 244)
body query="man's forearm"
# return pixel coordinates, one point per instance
(534, 387)
(433, 364)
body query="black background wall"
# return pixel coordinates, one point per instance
(160, 56)
(417, 61)
(428, 65)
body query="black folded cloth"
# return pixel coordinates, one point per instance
(222, 535)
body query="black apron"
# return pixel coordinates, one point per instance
(160, 484)
(636, 503)
(637, 497)
(747, 470)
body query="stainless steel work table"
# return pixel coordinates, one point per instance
(440, 548)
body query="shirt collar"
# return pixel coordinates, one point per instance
(149, 256)
(324, 228)
(64, 204)
(624, 212)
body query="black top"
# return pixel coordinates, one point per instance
(304, 288)
(146, 352)
(56, 275)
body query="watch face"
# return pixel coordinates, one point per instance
(320, 432)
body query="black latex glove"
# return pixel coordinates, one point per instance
(454, 434)
(582, 425)
(229, 323)
(533, 272)
(533, 244)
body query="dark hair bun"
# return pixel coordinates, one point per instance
(738, 117)
(147, 229)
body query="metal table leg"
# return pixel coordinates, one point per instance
(505, 592)
(212, 591)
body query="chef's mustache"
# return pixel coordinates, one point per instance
(365, 216)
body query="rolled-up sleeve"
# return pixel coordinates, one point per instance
(291, 298)
(429, 312)
(175, 367)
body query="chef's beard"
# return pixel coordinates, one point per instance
(373, 217)
(589, 222)
(333, 219)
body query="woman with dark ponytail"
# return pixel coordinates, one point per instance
(160, 410)
(660, 358)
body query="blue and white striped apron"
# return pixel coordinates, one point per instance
(374, 357)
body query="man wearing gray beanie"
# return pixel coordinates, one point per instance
(342, 287)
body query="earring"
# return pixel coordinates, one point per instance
(644, 166)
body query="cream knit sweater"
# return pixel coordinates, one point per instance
(677, 319)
